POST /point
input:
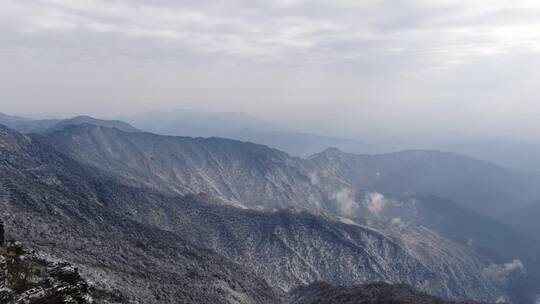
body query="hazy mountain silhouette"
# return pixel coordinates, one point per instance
(242, 127)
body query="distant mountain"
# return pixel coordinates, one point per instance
(80, 120)
(260, 176)
(501, 243)
(459, 223)
(526, 220)
(478, 185)
(241, 127)
(43, 126)
(25, 125)
(522, 156)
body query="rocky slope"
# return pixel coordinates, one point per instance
(67, 211)
(292, 247)
(243, 172)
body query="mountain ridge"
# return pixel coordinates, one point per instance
(140, 219)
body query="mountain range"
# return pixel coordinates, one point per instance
(159, 219)
(257, 175)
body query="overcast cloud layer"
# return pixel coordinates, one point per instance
(354, 67)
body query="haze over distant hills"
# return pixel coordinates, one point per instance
(242, 127)
(522, 156)
(44, 126)
(526, 220)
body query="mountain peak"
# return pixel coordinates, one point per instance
(83, 119)
(44, 126)
(330, 152)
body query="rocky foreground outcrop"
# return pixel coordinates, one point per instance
(25, 277)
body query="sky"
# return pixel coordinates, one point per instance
(352, 68)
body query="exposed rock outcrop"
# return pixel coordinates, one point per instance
(25, 277)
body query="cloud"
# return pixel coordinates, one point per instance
(501, 272)
(345, 199)
(374, 202)
(396, 221)
(368, 67)
(438, 35)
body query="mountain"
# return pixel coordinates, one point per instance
(522, 156)
(140, 243)
(456, 222)
(65, 210)
(43, 126)
(375, 293)
(244, 172)
(25, 125)
(80, 120)
(261, 176)
(185, 165)
(241, 127)
(478, 185)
